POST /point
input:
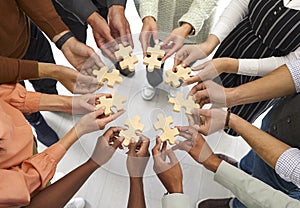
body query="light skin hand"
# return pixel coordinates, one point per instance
(107, 145)
(102, 35)
(81, 56)
(119, 25)
(149, 30)
(176, 39)
(208, 121)
(85, 103)
(211, 69)
(74, 81)
(94, 121)
(209, 92)
(194, 144)
(191, 53)
(169, 173)
(138, 156)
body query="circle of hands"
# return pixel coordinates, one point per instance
(204, 91)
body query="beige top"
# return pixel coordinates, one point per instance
(171, 13)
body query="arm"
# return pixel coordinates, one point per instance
(52, 196)
(31, 175)
(136, 197)
(267, 87)
(261, 67)
(44, 15)
(230, 18)
(251, 191)
(198, 12)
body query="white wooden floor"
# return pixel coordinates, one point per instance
(108, 187)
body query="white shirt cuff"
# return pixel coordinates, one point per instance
(175, 200)
(294, 68)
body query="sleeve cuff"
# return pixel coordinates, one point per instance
(28, 70)
(32, 102)
(149, 8)
(248, 67)
(116, 2)
(294, 68)
(220, 30)
(196, 24)
(56, 151)
(175, 200)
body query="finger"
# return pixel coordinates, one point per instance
(118, 143)
(145, 144)
(191, 80)
(97, 60)
(99, 112)
(129, 36)
(172, 156)
(196, 88)
(164, 147)
(185, 135)
(132, 147)
(156, 148)
(110, 118)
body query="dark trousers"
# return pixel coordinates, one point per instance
(40, 50)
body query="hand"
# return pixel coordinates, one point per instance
(209, 92)
(119, 25)
(169, 173)
(208, 121)
(138, 156)
(74, 81)
(194, 144)
(94, 121)
(107, 145)
(102, 36)
(81, 56)
(149, 30)
(176, 39)
(85, 103)
(211, 69)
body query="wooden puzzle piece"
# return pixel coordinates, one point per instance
(115, 101)
(174, 78)
(153, 61)
(164, 125)
(111, 77)
(130, 133)
(179, 102)
(128, 61)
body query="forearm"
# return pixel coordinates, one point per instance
(70, 138)
(265, 145)
(211, 43)
(276, 84)
(136, 195)
(59, 193)
(58, 103)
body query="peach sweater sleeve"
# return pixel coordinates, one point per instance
(19, 182)
(17, 96)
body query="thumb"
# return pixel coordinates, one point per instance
(132, 147)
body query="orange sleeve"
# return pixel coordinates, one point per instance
(17, 183)
(17, 96)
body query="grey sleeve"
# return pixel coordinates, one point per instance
(116, 2)
(81, 9)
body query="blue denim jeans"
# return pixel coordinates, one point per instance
(255, 166)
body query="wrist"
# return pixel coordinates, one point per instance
(231, 65)
(176, 188)
(93, 19)
(186, 28)
(148, 19)
(232, 96)
(92, 165)
(212, 163)
(233, 120)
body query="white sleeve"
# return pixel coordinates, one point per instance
(263, 66)
(288, 166)
(199, 11)
(251, 191)
(294, 68)
(230, 18)
(148, 8)
(175, 201)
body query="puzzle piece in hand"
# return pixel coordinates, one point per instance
(174, 78)
(152, 62)
(164, 124)
(130, 133)
(128, 61)
(179, 102)
(116, 101)
(111, 77)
